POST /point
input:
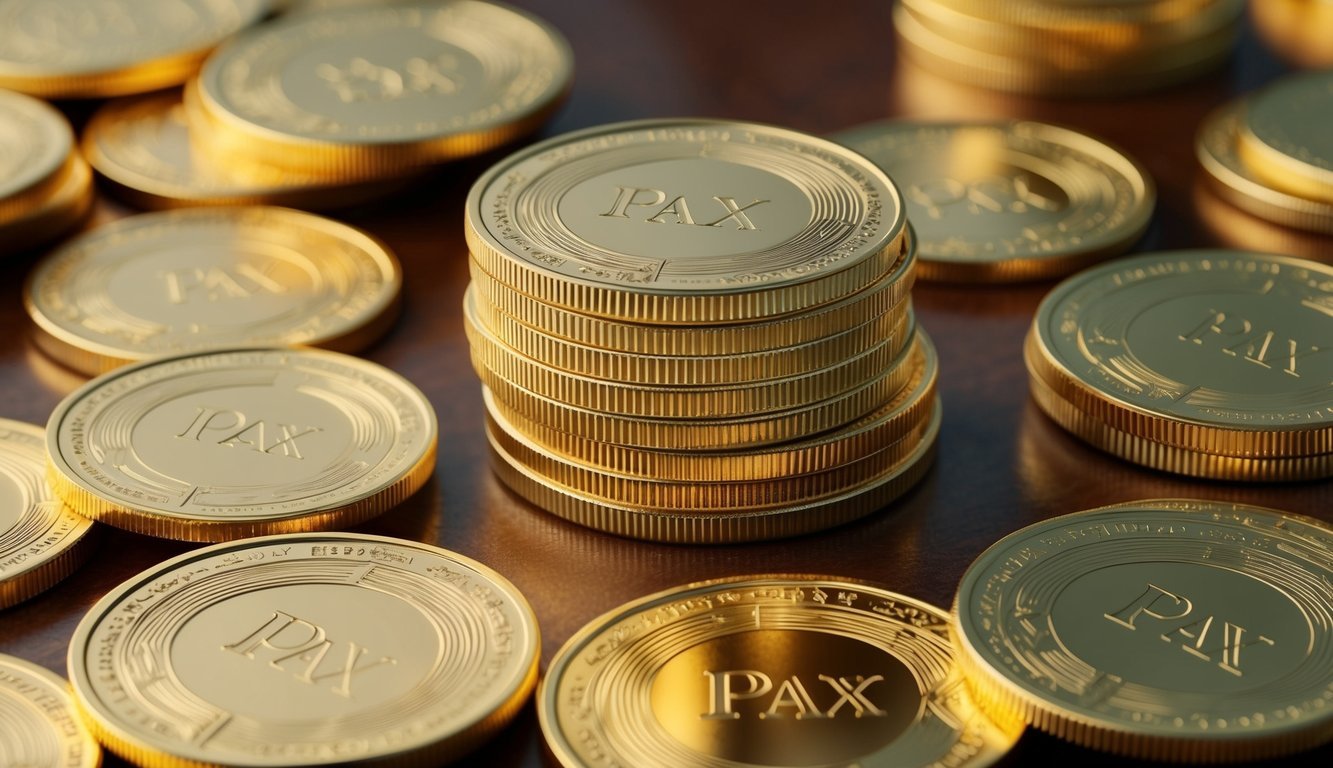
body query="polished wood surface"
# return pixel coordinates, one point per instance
(818, 67)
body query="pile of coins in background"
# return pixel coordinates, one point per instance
(1069, 49)
(45, 185)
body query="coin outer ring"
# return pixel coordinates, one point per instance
(225, 133)
(1172, 432)
(47, 167)
(909, 610)
(68, 205)
(1216, 148)
(83, 498)
(997, 694)
(1291, 168)
(43, 570)
(888, 252)
(1043, 266)
(139, 751)
(41, 687)
(93, 357)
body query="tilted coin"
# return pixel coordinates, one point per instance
(93, 48)
(35, 146)
(685, 222)
(190, 280)
(1222, 353)
(39, 725)
(41, 540)
(1166, 629)
(305, 649)
(365, 92)
(221, 445)
(143, 148)
(1008, 201)
(779, 671)
(1218, 150)
(1283, 135)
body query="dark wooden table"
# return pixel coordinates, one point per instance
(818, 67)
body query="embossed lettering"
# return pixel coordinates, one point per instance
(1239, 338)
(362, 80)
(1192, 635)
(234, 430)
(792, 698)
(217, 283)
(994, 194)
(284, 638)
(678, 210)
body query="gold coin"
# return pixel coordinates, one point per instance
(305, 649)
(67, 206)
(702, 434)
(35, 147)
(1296, 30)
(1235, 228)
(721, 526)
(904, 412)
(686, 222)
(62, 49)
(1181, 630)
(41, 540)
(363, 92)
(1217, 147)
(222, 445)
(885, 295)
(1214, 352)
(198, 279)
(1008, 201)
(1283, 135)
(766, 671)
(678, 370)
(694, 400)
(38, 722)
(142, 147)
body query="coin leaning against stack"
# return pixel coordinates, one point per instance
(1069, 49)
(698, 331)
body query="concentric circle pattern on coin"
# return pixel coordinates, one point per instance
(305, 649)
(363, 92)
(683, 222)
(773, 671)
(35, 146)
(39, 725)
(181, 281)
(1166, 629)
(1008, 201)
(83, 48)
(41, 540)
(222, 445)
(143, 148)
(1218, 352)
(1284, 135)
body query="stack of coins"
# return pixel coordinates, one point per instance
(698, 331)
(1205, 363)
(45, 187)
(330, 109)
(1271, 153)
(1056, 48)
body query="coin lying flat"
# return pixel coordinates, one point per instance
(1008, 201)
(222, 445)
(180, 281)
(81, 48)
(1217, 147)
(38, 722)
(364, 92)
(41, 540)
(143, 148)
(766, 671)
(1220, 353)
(35, 146)
(686, 222)
(1167, 629)
(305, 649)
(1283, 135)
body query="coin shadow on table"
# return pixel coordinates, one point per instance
(416, 518)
